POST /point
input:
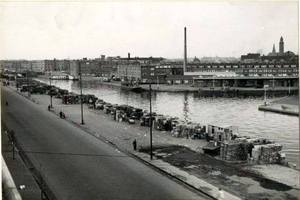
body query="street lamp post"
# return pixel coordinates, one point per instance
(273, 82)
(28, 92)
(150, 123)
(213, 81)
(82, 122)
(50, 91)
(289, 87)
(265, 101)
(157, 83)
(16, 78)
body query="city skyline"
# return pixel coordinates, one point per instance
(61, 30)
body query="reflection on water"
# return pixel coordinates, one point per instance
(186, 108)
(237, 111)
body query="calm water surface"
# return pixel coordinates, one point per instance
(241, 112)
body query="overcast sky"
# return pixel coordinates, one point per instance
(47, 30)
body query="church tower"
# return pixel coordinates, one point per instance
(281, 46)
(274, 50)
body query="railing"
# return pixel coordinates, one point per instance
(9, 189)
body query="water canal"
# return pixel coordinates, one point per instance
(237, 111)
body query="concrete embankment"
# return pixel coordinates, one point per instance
(288, 105)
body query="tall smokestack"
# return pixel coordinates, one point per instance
(185, 52)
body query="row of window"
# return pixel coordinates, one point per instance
(244, 66)
(268, 75)
(252, 70)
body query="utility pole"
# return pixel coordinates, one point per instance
(150, 123)
(13, 139)
(28, 72)
(50, 78)
(265, 87)
(16, 76)
(28, 83)
(289, 88)
(82, 122)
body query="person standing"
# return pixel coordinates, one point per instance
(251, 146)
(134, 144)
(63, 115)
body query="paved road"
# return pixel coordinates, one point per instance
(76, 165)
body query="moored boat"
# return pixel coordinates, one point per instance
(131, 87)
(63, 77)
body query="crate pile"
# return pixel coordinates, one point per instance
(267, 154)
(264, 151)
(233, 150)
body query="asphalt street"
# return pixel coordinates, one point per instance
(77, 165)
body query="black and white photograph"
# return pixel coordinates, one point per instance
(149, 100)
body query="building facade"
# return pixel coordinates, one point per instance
(74, 68)
(38, 66)
(130, 71)
(50, 66)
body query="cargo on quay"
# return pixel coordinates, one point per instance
(217, 136)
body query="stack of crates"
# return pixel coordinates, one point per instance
(266, 154)
(233, 150)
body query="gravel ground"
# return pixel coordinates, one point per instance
(234, 178)
(288, 177)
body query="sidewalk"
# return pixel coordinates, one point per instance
(19, 171)
(102, 125)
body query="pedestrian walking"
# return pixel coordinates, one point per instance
(49, 107)
(61, 114)
(6, 103)
(221, 195)
(134, 144)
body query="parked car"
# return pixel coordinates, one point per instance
(107, 108)
(99, 103)
(106, 80)
(137, 113)
(69, 99)
(38, 90)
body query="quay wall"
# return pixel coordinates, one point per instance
(247, 92)
(281, 111)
